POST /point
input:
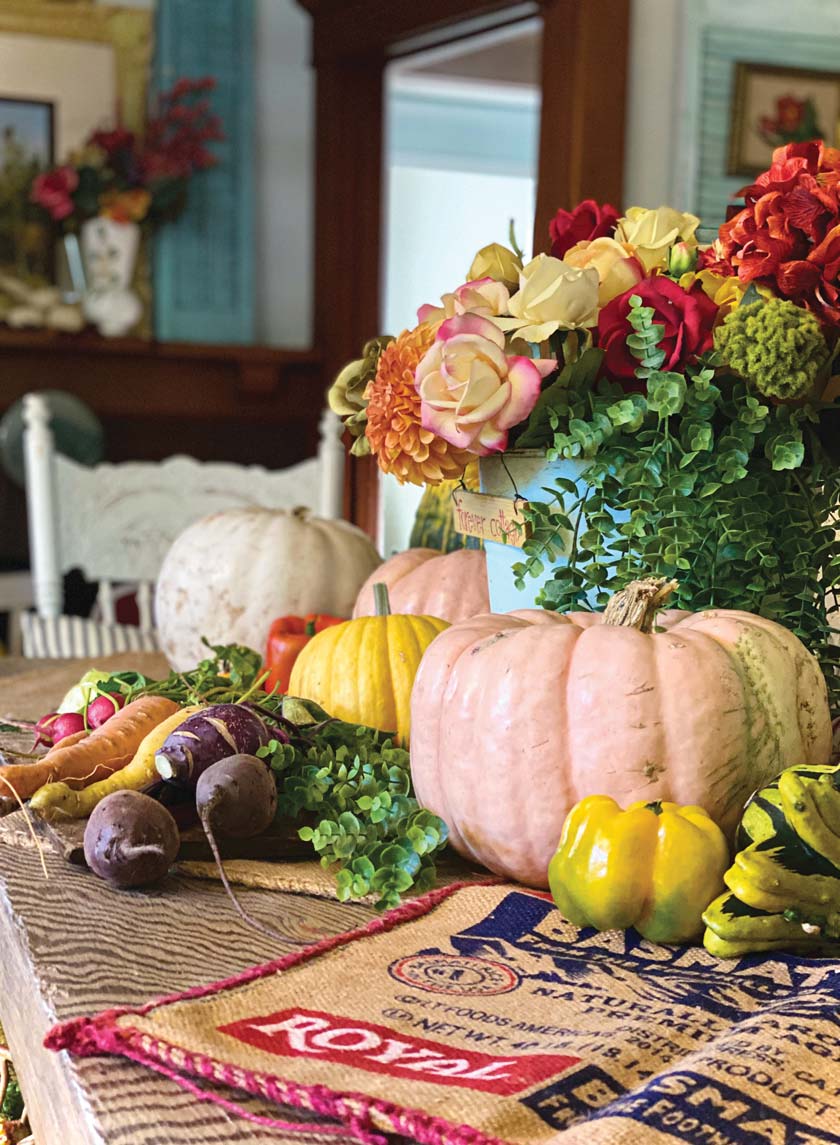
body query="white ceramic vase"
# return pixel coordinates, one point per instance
(109, 251)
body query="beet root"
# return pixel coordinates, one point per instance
(237, 797)
(131, 840)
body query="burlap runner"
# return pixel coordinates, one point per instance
(308, 877)
(476, 1015)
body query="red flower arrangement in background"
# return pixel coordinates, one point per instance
(137, 179)
(787, 236)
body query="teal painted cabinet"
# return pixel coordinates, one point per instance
(204, 263)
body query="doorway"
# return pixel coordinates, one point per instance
(462, 127)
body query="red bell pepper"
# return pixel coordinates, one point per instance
(286, 637)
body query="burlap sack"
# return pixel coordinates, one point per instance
(477, 1015)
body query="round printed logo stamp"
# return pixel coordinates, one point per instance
(455, 974)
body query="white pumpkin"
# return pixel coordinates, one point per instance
(227, 576)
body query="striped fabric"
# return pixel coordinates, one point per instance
(73, 637)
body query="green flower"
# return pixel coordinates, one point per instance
(346, 395)
(775, 345)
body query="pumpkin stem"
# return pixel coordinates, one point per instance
(381, 602)
(636, 606)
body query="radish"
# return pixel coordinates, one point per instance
(131, 840)
(102, 708)
(43, 730)
(237, 797)
(66, 725)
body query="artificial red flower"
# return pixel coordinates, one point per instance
(785, 236)
(54, 190)
(112, 142)
(687, 318)
(589, 220)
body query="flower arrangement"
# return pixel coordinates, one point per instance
(693, 385)
(131, 179)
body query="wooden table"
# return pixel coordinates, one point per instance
(69, 945)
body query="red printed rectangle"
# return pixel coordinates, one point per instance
(380, 1049)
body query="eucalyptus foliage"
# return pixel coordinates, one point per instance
(695, 477)
(355, 787)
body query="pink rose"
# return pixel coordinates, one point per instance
(53, 191)
(471, 392)
(483, 296)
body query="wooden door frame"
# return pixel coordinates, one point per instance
(584, 73)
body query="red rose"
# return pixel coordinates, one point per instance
(686, 315)
(53, 191)
(589, 220)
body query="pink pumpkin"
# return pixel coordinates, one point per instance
(422, 582)
(515, 718)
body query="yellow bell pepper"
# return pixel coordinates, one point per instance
(655, 866)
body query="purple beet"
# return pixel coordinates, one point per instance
(210, 735)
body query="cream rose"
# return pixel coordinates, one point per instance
(497, 262)
(618, 268)
(471, 392)
(552, 296)
(483, 296)
(654, 232)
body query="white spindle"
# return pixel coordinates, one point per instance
(144, 605)
(41, 506)
(331, 457)
(106, 602)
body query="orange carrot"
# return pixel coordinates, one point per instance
(93, 756)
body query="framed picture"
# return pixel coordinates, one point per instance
(774, 105)
(27, 147)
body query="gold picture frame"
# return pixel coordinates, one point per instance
(775, 104)
(128, 30)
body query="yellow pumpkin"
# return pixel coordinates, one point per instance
(363, 670)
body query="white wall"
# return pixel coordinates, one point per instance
(285, 178)
(285, 181)
(653, 100)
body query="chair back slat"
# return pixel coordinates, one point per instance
(105, 600)
(144, 605)
(115, 523)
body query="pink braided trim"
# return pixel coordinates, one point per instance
(98, 1035)
(351, 1110)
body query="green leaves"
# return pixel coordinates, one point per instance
(697, 478)
(369, 826)
(582, 372)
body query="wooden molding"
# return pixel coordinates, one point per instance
(581, 146)
(584, 95)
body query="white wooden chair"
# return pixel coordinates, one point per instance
(116, 522)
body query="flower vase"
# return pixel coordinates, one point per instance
(523, 473)
(109, 251)
(519, 473)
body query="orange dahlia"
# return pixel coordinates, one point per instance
(397, 439)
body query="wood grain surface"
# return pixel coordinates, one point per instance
(72, 946)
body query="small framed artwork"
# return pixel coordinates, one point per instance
(27, 147)
(774, 105)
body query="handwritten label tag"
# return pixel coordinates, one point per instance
(491, 518)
